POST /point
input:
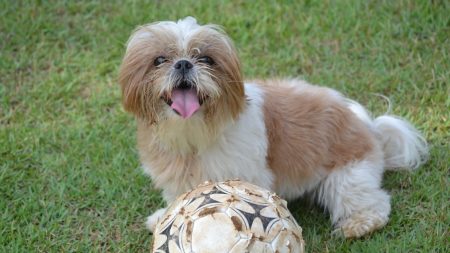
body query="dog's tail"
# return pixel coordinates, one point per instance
(404, 146)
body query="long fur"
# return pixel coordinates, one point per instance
(404, 146)
(285, 135)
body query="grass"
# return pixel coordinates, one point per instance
(69, 174)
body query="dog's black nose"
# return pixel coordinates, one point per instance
(183, 66)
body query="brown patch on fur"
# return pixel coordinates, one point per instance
(309, 128)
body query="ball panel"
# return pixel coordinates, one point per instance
(158, 242)
(228, 217)
(174, 247)
(247, 192)
(241, 246)
(259, 246)
(287, 242)
(214, 233)
(274, 230)
(186, 236)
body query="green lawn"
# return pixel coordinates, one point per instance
(69, 174)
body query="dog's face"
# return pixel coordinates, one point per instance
(179, 71)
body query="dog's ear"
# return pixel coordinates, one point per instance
(132, 82)
(228, 72)
(234, 86)
(136, 93)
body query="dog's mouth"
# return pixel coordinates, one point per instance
(184, 99)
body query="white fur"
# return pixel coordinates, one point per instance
(241, 151)
(183, 29)
(354, 198)
(360, 112)
(404, 147)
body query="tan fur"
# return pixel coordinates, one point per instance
(309, 129)
(167, 165)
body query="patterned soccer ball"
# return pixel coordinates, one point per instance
(231, 216)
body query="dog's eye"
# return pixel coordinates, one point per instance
(159, 60)
(206, 59)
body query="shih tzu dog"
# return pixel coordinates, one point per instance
(198, 120)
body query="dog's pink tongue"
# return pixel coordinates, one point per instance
(185, 102)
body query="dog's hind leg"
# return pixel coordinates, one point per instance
(354, 198)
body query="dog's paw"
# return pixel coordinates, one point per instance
(359, 224)
(153, 219)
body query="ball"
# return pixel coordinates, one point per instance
(231, 216)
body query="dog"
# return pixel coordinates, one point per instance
(198, 120)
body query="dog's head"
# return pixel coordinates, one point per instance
(181, 70)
